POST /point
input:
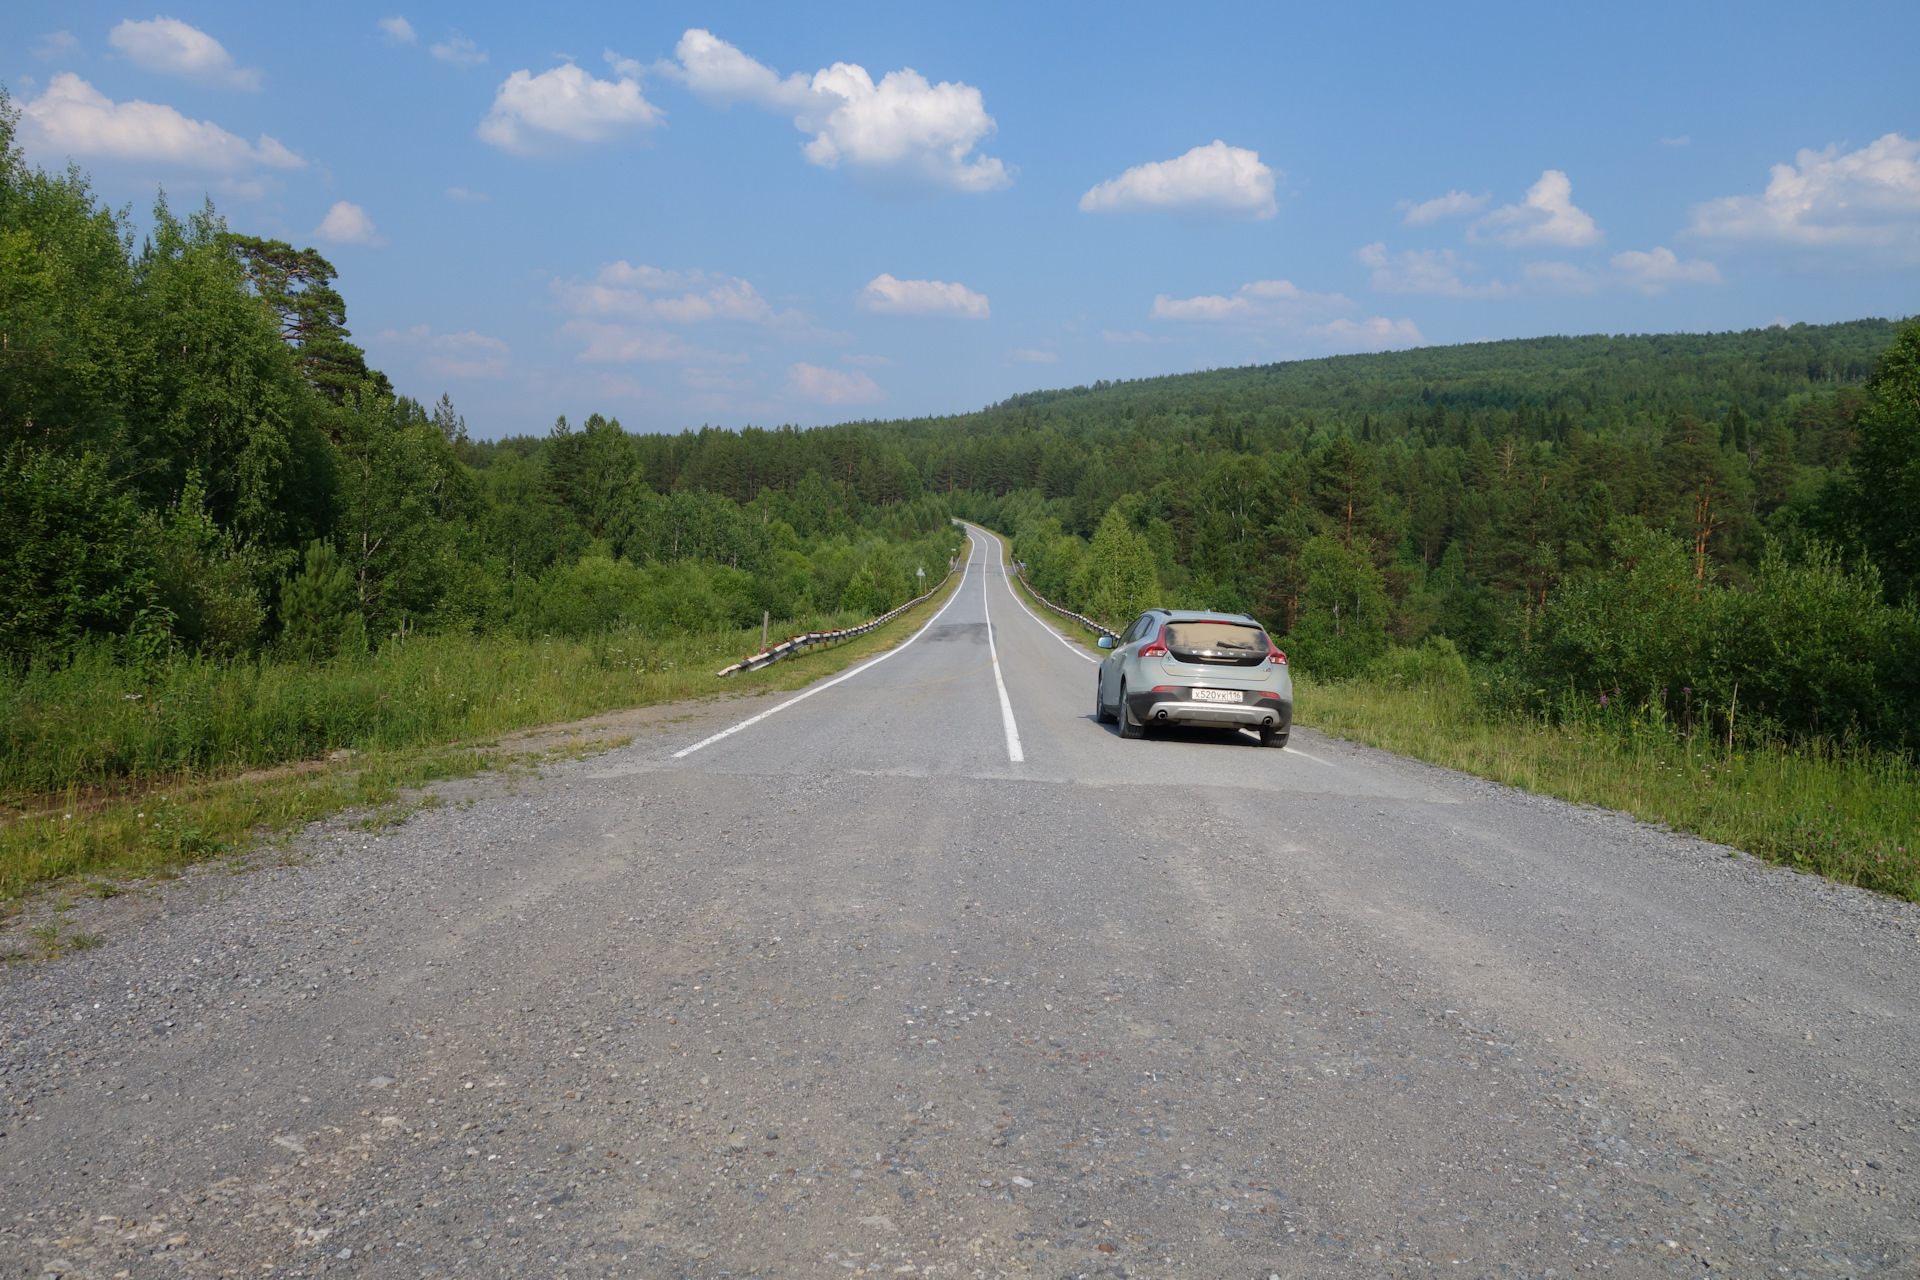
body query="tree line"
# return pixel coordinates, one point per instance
(196, 458)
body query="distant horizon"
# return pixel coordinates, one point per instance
(746, 213)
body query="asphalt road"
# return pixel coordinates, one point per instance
(926, 972)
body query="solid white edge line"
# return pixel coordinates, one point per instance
(753, 720)
(1316, 759)
(1050, 629)
(1014, 753)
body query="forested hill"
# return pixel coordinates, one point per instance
(1593, 382)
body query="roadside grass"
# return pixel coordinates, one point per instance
(1847, 813)
(109, 774)
(1850, 814)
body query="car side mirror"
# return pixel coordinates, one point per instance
(1105, 642)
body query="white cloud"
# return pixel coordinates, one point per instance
(456, 50)
(1559, 277)
(1375, 334)
(533, 113)
(170, 46)
(902, 128)
(75, 118)
(923, 298)
(627, 67)
(397, 30)
(1261, 302)
(1282, 307)
(832, 386)
(1216, 176)
(1866, 198)
(1033, 355)
(348, 223)
(671, 297)
(56, 45)
(1450, 205)
(1547, 216)
(618, 343)
(1428, 271)
(461, 193)
(453, 355)
(1654, 272)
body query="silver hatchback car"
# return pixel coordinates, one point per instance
(1179, 666)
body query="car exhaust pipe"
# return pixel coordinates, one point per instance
(1266, 722)
(1161, 716)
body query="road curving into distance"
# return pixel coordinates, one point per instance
(924, 972)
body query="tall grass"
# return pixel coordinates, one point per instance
(1849, 813)
(94, 723)
(114, 772)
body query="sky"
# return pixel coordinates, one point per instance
(734, 214)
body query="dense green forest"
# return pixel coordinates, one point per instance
(196, 463)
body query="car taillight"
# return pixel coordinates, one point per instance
(1274, 655)
(1157, 647)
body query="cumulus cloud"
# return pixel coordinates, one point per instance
(832, 386)
(75, 118)
(1375, 334)
(1547, 216)
(348, 223)
(1653, 272)
(1282, 307)
(1216, 177)
(673, 297)
(923, 298)
(397, 30)
(170, 46)
(618, 343)
(456, 50)
(1868, 198)
(533, 114)
(452, 355)
(462, 194)
(1429, 271)
(1450, 205)
(1262, 301)
(1033, 355)
(1559, 277)
(902, 129)
(56, 45)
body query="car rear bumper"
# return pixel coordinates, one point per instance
(1261, 710)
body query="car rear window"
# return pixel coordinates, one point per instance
(1227, 639)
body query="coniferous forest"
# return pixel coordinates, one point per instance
(197, 466)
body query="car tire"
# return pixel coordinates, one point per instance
(1274, 737)
(1129, 727)
(1100, 713)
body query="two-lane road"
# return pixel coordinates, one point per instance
(924, 972)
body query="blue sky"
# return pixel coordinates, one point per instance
(681, 214)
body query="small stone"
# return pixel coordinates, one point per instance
(380, 1082)
(1022, 1182)
(344, 1253)
(564, 1148)
(56, 1266)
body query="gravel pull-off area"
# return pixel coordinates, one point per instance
(852, 991)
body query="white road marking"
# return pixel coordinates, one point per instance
(1316, 759)
(1006, 704)
(753, 720)
(1051, 630)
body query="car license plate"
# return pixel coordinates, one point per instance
(1216, 695)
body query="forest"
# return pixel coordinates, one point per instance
(198, 466)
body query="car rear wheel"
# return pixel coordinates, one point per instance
(1271, 737)
(1129, 727)
(1100, 713)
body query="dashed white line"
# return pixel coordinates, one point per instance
(753, 720)
(1050, 629)
(1014, 753)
